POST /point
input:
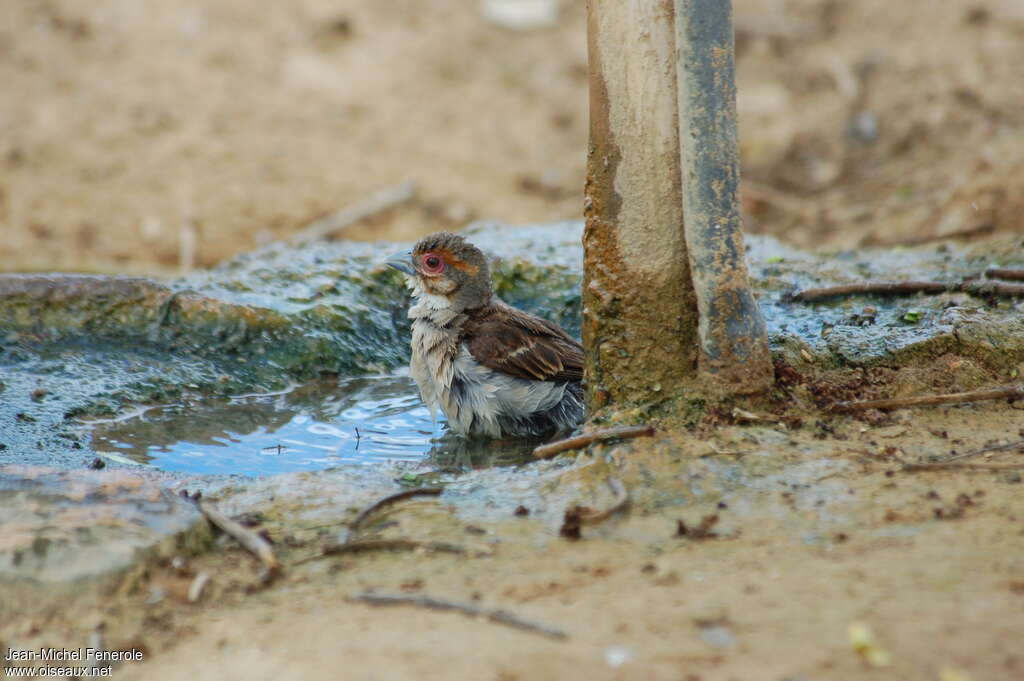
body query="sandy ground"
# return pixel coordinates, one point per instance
(154, 137)
(158, 136)
(819, 530)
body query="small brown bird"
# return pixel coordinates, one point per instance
(492, 369)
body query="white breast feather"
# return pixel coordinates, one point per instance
(487, 394)
(433, 346)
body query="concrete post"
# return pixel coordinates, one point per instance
(639, 309)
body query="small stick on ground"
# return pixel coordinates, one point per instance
(495, 616)
(195, 589)
(1004, 392)
(390, 545)
(974, 287)
(992, 289)
(702, 531)
(377, 506)
(957, 461)
(578, 442)
(252, 542)
(1009, 447)
(351, 545)
(964, 465)
(370, 545)
(888, 288)
(577, 516)
(377, 203)
(1003, 273)
(621, 501)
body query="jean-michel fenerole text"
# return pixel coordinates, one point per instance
(72, 655)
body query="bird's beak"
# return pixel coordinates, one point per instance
(401, 262)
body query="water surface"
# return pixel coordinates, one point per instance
(359, 420)
(330, 422)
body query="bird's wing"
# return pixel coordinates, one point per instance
(519, 344)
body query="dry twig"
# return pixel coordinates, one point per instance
(621, 501)
(350, 545)
(195, 589)
(1003, 392)
(957, 461)
(577, 516)
(891, 288)
(1009, 447)
(377, 203)
(977, 287)
(974, 287)
(1003, 273)
(252, 542)
(953, 465)
(578, 442)
(369, 545)
(702, 531)
(360, 520)
(495, 616)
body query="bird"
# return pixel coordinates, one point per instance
(494, 370)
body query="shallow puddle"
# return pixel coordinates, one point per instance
(362, 420)
(313, 426)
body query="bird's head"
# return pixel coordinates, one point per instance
(448, 267)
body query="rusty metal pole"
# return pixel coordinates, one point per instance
(734, 351)
(639, 310)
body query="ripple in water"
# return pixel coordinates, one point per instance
(360, 420)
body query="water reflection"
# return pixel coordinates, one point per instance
(360, 420)
(455, 454)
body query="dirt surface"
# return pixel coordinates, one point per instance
(138, 126)
(177, 134)
(151, 137)
(793, 539)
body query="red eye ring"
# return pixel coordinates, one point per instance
(432, 263)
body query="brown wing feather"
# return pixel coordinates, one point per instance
(513, 342)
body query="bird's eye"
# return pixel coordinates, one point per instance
(432, 263)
